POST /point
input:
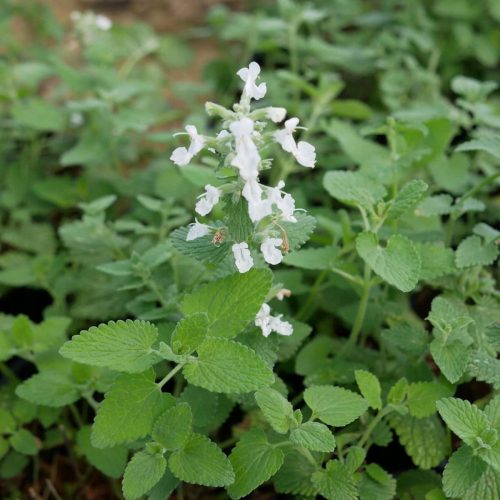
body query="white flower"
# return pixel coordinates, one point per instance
(247, 155)
(182, 156)
(284, 202)
(249, 76)
(103, 22)
(268, 323)
(304, 152)
(242, 257)
(197, 230)
(257, 207)
(276, 114)
(208, 200)
(270, 250)
(76, 119)
(284, 292)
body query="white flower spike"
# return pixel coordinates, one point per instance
(276, 115)
(249, 76)
(304, 152)
(270, 250)
(208, 200)
(182, 156)
(197, 230)
(242, 257)
(247, 157)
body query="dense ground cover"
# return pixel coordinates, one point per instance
(328, 325)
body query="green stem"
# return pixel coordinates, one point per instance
(360, 315)
(169, 375)
(76, 415)
(8, 373)
(303, 312)
(366, 435)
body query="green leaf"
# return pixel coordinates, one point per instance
(110, 461)
(313, 436)
(23, 441)
(440, 204)
(122, 345)
(452, 357)
(202, 249)
(473, 252)
(336, 482)
(142, 473)
(316, 259)
(354, 188)
(355, 457)
(226, 366)
(49, 389)
(276, 409)
(436, 259)
(254, 461)
(164, 487)
(464, 419)
(295, 475)
(422, 397)
(376, 484)
(189, 333)
(410, 339)
(173, 427)
(424, 439)
(38, 114)
(299, 232)
(238, 222)
(492, 411)
(462, 471)
(369, 386)
(487, 487)
(201, 461)
(487, 143)
(334, 405)
(409, 195)
(398, 263)
(129, 409)
(230, 303)
(12, 464)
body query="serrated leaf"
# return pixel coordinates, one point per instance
(110, 461)
(451, 356)
(238, 222)
(129, 409)
(436, 260)
(376, 484)
(173, 427)
(409, 195)
(49, 389)
(201, 461)
(202, 249)
(398, 263)
(299, 232)
(440, 204)
(422, 397)
(335, 482)
(487, 487)
(487, 143)
(226, 366)
(313, 436)
(313, 258)
(189, 333)
(122, 345)
(295, 475)
(473, 252)
(369, 387)
(142, 473)
(230, 303)
(410, 339)
(424, 439)
(355, 457)
(354, 188)
(334, 405)
(492, 411)
(254, 461)
(464, 419)
(276, 409)
(462, 471)
(164, 487)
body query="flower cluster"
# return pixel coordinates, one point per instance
(239, 145)
(268, 323)
(88, 24)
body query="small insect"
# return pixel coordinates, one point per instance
(218, 238)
